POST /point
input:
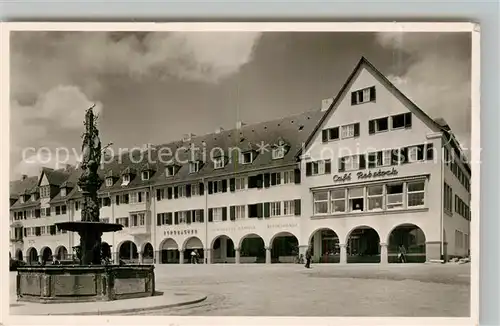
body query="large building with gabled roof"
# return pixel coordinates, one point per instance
(357, 180)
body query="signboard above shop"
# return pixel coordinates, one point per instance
(363, 175)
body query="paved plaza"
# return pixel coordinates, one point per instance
(423, 290)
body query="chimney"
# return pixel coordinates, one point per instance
(23, 177)
(219, 130)
(239, 124)
(325, 104)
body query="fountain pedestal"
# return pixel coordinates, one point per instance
(75, 283)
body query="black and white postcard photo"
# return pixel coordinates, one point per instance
(241, 170)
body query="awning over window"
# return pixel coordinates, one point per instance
(194, 243)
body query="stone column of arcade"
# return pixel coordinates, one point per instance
(236, 255)
(208, 256)
(93, 279)
(268, 255)
(383, 253)
(181, 256)
(343, 253)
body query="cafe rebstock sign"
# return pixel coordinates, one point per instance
(347, 177)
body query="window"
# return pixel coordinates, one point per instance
(239, 212)
(401, 121)
(356, 199)
(126, 179)
(182, 191)
(288, 207)
(58, 210)
(338, 200)
(331, 134)
(375, 197)
(106, 202)
(63, 209)
(288, 177)
(321, 203)
(170, 171)
(195, 189)
(134, 198)
(247, 158)
(109, 182)
(276, 208)
(348, 131)
(217, 186)
(47, 211)
(448, 198)
(416, 193)
(194, 167)
(278, 152)
(145, 175)
(351, 163)
(240, 183)
(394, 198)
(378, 125)
(137, 219)
(275, 178)
(123, 221)
(218, 163)
(44, 192)
(363, 96)
(320, 167)
(63, 192)
(217, 214)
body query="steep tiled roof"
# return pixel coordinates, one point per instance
(56, 177)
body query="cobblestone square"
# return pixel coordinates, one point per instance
(408, 290)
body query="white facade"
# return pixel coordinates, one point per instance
(288, 208)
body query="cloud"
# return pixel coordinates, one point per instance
(438, 76)
(55, 76)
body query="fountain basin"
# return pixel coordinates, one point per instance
(76, 283)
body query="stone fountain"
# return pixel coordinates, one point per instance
(93, 278)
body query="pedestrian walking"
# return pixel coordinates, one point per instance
(194, 253)
(308, 257)
(402, 254)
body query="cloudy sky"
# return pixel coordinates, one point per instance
(155, 87)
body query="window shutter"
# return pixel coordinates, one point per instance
(158, 195)
(202, 216)
(273, 179)
(267, 211)
(210, 185)
(267, 180)
(353, 98)
(259, 210)
(430, 152)
(259, 181)
(408, 120)
(362, 162)
(224, 213)
(371, 127)
(404, 155)
(224, 185)
(188, 190)
(324, 135)
(341, 164)
(296, 173)
(176, 192)
(395, 157)
(176, 218)
(169, 218)
(328, 166)
(308, 169)
(232, 213)
(372, 93)
(210, 214)
(356, 129)
(202, 188)
(232, 185)
(24, 231)
(190, 217)
(158, 219)
(169, 192)
(297, 207)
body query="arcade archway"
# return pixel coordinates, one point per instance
(284, 248)
(128, 252)
(363, 246)
(61, 253)
(325, 246)
(19, 254)
(412, 238)
(223, 250)
(169, 252)
(193, 251)
(46, 254)
(32, 256)
(148, 254)
(252, 249)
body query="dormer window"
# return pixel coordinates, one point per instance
(125, 179)
(247, 158)
(170, 170)
(21, 199)
(145, 175)
(218, 163)
(79, 188)
(63, 192)
(109, 182)
(194, 166)
(45, 192)
(278, 152)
